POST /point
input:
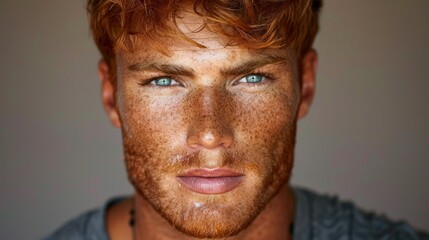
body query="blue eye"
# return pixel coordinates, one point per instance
(164, 82)
(252, 78)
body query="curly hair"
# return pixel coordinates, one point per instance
(256, 24)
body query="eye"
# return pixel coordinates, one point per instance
(164, 82)
(252, 78)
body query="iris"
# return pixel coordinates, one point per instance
(253, 78)
(163, 81)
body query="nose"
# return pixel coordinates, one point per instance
(209, 113)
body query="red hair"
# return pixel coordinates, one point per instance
(256, 24)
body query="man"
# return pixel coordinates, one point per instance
(207, 95)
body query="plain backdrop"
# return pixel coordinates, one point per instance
(366, 138)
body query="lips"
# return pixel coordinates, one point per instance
(211, 181)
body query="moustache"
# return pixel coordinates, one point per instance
(210, 159)
(205, 159)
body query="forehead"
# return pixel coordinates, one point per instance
(212, 46)
(203, 57)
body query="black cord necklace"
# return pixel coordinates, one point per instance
(132, 222)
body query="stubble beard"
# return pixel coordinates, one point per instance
(221, 215)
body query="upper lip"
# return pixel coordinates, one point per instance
(207, 172)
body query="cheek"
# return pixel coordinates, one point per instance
(264, 119)
(265, 132)
(150, 124)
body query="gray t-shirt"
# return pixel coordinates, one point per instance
(317, 217)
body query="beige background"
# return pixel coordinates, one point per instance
(366, 138)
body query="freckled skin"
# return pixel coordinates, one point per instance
(209, 120)
(258, 127)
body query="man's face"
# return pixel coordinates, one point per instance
(208, 133)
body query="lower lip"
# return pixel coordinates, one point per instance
(210, 185)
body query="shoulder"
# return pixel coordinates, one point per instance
(325, 217)
(89, 225)
(86, 226)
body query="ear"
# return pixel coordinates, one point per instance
(108, 93)
(308, 81)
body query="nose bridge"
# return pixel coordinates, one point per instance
(209, 100)
(209, 127)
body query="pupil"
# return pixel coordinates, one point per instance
(254, 78)
(163, 82)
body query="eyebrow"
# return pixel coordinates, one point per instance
(178, 70)
(169, 69)
(249, 66)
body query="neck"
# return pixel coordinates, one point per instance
(272, 223)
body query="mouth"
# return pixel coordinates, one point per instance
(211, 181)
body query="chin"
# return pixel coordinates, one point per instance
(217, 217)
(213, 223)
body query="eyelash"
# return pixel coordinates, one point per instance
(267, 76)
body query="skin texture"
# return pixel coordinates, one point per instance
(210, 117)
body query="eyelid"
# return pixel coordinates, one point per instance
(267, 75)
